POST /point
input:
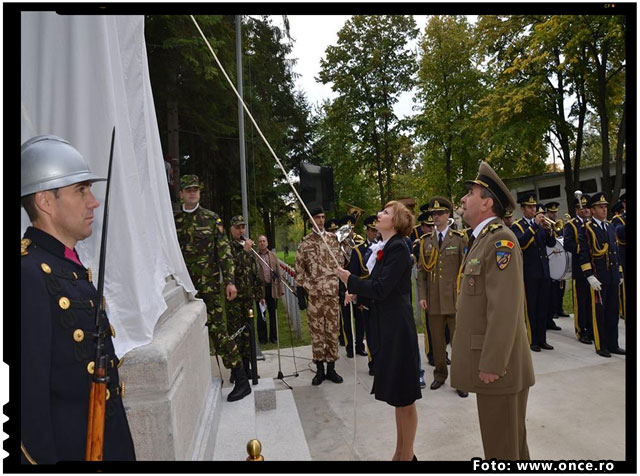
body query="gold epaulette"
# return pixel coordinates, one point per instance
(491, 228)
(426, 235)
(24, 244)
(459, 233)
(358, 239)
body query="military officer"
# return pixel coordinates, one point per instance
(57, 313)
(508, 219)
(357, 266)
(345, 310)
(582, 318)
(490, 354)
(207, 254)
(599, 262)
(619, 222)
(315, 272)
(533, 235)
(250, 289)
(557, 287)
(441, 254)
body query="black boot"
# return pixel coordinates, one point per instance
(332, 374)
(317, 380)
(242, 387)
(247, 368)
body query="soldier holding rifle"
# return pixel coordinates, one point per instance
(58, 309)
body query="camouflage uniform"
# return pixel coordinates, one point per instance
(250, 289)
(316, 273)
(207, 252)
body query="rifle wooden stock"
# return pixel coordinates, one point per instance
(95, 421)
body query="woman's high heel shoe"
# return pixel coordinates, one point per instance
(414, 458)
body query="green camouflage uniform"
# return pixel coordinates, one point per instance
(316, 273)
(250, 289)
(207, 252)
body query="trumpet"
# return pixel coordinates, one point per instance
(556, 225)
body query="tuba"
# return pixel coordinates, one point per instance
(344, 234)
(355, 211)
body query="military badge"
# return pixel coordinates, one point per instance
(505, 244)
(503, 258)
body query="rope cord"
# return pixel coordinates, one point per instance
(313, 223)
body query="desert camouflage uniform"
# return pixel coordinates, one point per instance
(316, 273)
(207, 253)
(250, 289)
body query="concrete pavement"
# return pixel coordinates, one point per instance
(576, 409)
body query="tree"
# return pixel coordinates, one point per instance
(369, 68)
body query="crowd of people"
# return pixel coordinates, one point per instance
(485, 289)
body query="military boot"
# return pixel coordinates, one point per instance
(247, 368)
(242, 387)
(332, 374)
(317, 380)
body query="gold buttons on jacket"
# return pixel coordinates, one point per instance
(46, 268)
(78, 335)
(90, 367)
(64, 303)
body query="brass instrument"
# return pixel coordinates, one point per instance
(355, 211)
(556, 225)
(345, 237)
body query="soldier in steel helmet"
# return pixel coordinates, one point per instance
(207, 254)
(57, 315)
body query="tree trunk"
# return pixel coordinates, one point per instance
(622, 137)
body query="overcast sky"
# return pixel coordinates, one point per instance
(312, 35)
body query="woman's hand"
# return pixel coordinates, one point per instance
(343, 274)
(423, 304)
(348, 298)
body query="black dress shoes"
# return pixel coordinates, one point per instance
(585, 340)
(603, 353)
(349, 353)
(535, 348)
(563, 314)
(462, 394)
(435, 385)
(431, 362)
(619, 351)
(362, 353)
(552, 326)
(546, 346)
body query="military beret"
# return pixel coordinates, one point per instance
(317, 210)
(238, 220)
(190, 181)
(552, 206)
(371, 221)
(440, 204)
(597, 199)
(489, 179)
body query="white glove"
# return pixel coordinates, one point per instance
(594, 283)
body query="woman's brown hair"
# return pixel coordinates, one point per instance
(403, 220)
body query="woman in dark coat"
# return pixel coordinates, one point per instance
(394, 339)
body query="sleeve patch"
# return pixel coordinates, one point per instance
(505, 244)
(502, 259)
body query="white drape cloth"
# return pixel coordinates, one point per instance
(371, 262)
(82, 75)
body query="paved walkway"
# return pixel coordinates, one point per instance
(576, 409)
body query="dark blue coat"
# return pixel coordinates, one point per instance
(358, 266)
(57, 322)
(593, 241)
(394, 339)
(571, 235)
(620, 225)
(533, 242)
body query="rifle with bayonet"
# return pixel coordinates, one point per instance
(98, 392)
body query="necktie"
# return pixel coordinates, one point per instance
(439, 239)
(471, 240)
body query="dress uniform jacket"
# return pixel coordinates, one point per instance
(581, 298)
(438, 270)
(394, 339)
(533, 242)
(490, 327)
(58, 302)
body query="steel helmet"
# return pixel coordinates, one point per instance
(48, 162)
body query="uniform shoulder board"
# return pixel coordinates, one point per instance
(495, 226)
(306, 237)
(426, 235)
(459, 233)
(24, 244)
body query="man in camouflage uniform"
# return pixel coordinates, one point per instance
(249, 287)
(315, 272)
(207, 254)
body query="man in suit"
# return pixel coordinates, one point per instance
(534, 235)
(490, 351)
(441, 254)
(581, 296)
(599, 263)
